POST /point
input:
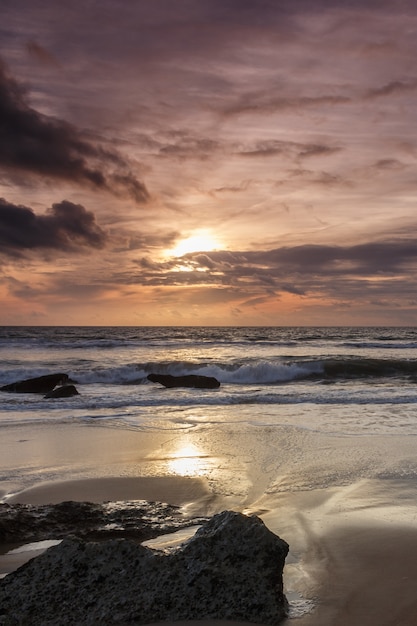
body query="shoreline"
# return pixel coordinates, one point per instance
(352, 545)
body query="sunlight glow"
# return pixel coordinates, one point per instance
(199, 241)
(188, 461)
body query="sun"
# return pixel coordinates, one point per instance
(199, 241)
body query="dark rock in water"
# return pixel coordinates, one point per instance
(65, 391)
(230, 570)
(138, 519)
(40, 384)
(191, 380)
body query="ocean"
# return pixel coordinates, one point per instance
(352, 381)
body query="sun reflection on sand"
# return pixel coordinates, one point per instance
(188, 460)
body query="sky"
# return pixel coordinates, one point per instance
(208, 162)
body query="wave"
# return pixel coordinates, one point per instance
(369, 368)
(381, 345)
(255, 372)
(242, 371)
(140, 407)
(130, 340)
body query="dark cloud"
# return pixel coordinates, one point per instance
(265, 103)
(182, 145)
(318, 150)
(389, 164)
(297, 270)
(364, 259)
(395, 87)
(321, 178)
(43, 146)
(68, 286)
(65, 226)
(274, 147)
(147, 241)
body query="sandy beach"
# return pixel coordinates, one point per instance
(341, 503)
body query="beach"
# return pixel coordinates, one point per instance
(314, 430)
(340, 502)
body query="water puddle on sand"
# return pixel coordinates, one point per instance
(171, 541)
(17, 556)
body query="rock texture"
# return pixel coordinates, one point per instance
(191, 380)
(138, 519)
(231, 569)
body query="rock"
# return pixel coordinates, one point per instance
(138, 519)
(191, 380)
(230, 570)
(40, 384)
(65, 391)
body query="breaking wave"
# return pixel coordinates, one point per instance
(250, 372)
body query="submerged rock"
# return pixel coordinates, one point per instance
(191, 380)
(231, 570)
(65, 391)
(40, 384)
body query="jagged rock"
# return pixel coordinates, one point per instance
(65, 391)
(231, 570)
(138, 519)
(40, 384)
(190, 380)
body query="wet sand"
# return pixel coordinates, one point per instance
(348, 508)
(369, 577)
(354, 553)
(178, 491)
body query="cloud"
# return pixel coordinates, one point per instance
(375, 267)
(40, 53)
(65, 226)
(50, 148)
(274, 147)
(395, 87)
(185, 146)
(389, 164)
(264, 103)
(148, 240)
(364, 259)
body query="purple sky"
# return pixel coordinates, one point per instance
(223, 162)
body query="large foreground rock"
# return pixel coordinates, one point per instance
(231, 569)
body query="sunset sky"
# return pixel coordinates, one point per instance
(221, 162)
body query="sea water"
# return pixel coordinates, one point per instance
(350, 381)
